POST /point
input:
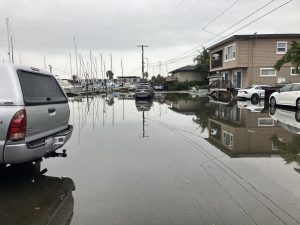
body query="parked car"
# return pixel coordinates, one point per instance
(158, 87)
(254, 92)
(287, 119)
(288, 95)
(259, 107)
(34, 114)
(144, 90)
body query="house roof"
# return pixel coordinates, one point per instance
(184, 69)
(252, 36)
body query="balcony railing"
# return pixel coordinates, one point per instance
(221, 84)
(216, 64)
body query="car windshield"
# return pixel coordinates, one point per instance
(143, 87)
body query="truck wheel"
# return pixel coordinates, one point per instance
(298, 103)
(297, 115)
(272, 101)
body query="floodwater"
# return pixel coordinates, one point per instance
(179, 159)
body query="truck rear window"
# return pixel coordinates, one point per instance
(40, 89)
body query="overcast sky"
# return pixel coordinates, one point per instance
(46, 28)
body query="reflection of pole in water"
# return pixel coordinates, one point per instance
(103, 112)
(144, 131)
(113, 117)
(123, 110)
(143, 124)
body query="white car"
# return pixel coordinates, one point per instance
(287, 119)
(252, 107)
(288, 95)
(252, 92)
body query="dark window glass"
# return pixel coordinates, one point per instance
(286, 88)
(40, 89)
(296, 87)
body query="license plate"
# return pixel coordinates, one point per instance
(49, 143)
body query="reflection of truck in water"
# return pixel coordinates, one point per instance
(38, 200)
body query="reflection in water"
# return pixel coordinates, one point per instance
(245, 130)
(288, 120)
(239, 129)
(191, 105)
(28, 197)
(143, 105)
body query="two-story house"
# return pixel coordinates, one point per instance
(249, 59)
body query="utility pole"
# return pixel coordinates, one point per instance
(147, 65)
(159, 67)
(143, 46)
(8, 39)
(166, 69)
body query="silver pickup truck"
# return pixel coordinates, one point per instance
(34, 114)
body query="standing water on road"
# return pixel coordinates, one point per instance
(176, 159)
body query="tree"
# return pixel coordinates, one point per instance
(110, 74)
(292, 56)
(146, 75)
(202, 61)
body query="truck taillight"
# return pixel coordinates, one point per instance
(17, 127)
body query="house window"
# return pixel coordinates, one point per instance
(230, 53)
(265, 122)
(227, 139)
(281, 47)
(267, 72)
(293, 71)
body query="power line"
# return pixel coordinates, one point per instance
(190, 53)
(164, 25)
(219, 15)
(184, 16)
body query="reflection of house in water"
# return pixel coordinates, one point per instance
(187, 107)
(240, 132)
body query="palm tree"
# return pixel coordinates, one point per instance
(292, 56)
(202, 61)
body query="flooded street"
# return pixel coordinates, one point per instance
(179, 159)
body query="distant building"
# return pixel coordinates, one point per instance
(245, 60)
(188, 73)
(128, 79)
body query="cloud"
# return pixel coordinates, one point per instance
(169, 27)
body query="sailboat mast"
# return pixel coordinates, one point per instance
(122, 71)
(76, 56)
(111, 62)
(8, 39)
(12, 50)
(91, 59)
(101, 59)
(71, 65)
